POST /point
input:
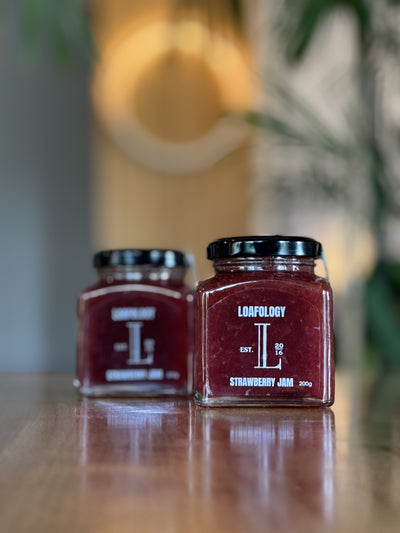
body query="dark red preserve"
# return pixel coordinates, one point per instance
(135, 325)
(264, 325)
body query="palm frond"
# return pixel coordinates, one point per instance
(301, 20)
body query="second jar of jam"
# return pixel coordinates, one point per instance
(264, 325)
(135, 325)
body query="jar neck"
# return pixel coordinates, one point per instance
(141, 273)
(266, 264)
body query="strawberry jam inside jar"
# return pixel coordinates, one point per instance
(135, 325)
(264, 325)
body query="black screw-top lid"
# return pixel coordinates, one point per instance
(166, 258)
(273, 245)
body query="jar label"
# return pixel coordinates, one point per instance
(268, 343)
(136, 337)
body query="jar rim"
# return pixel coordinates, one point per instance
(264, 246)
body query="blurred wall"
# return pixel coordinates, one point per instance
(134, 205)
(44, 199)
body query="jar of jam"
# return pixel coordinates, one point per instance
(135, 325)
(264, 325)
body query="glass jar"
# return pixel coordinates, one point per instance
(264, 325)
(135, 325)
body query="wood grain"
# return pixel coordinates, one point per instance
(101, 465)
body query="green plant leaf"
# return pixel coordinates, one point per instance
(34, 20)
(269, 122)
(62, 48)
(305, 18)
(394, 275)
(237, 12)
(308, 22)
(319, 133)
(382, 303)
(62, 26)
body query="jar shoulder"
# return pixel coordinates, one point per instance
(90, 288)
(137, 284)
(263, 281)
(103, 291)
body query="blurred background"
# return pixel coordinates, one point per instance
(169, 123)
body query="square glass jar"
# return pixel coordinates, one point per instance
(264, 333)
(135, 331)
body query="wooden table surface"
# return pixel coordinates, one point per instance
(100, 465)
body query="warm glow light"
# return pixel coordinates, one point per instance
(351, 258)
(125, 63)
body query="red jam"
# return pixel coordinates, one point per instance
(264, 325)
(134, 333)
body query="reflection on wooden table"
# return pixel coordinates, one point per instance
(143, 465)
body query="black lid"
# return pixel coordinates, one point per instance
(166, 258)
(273, 245)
